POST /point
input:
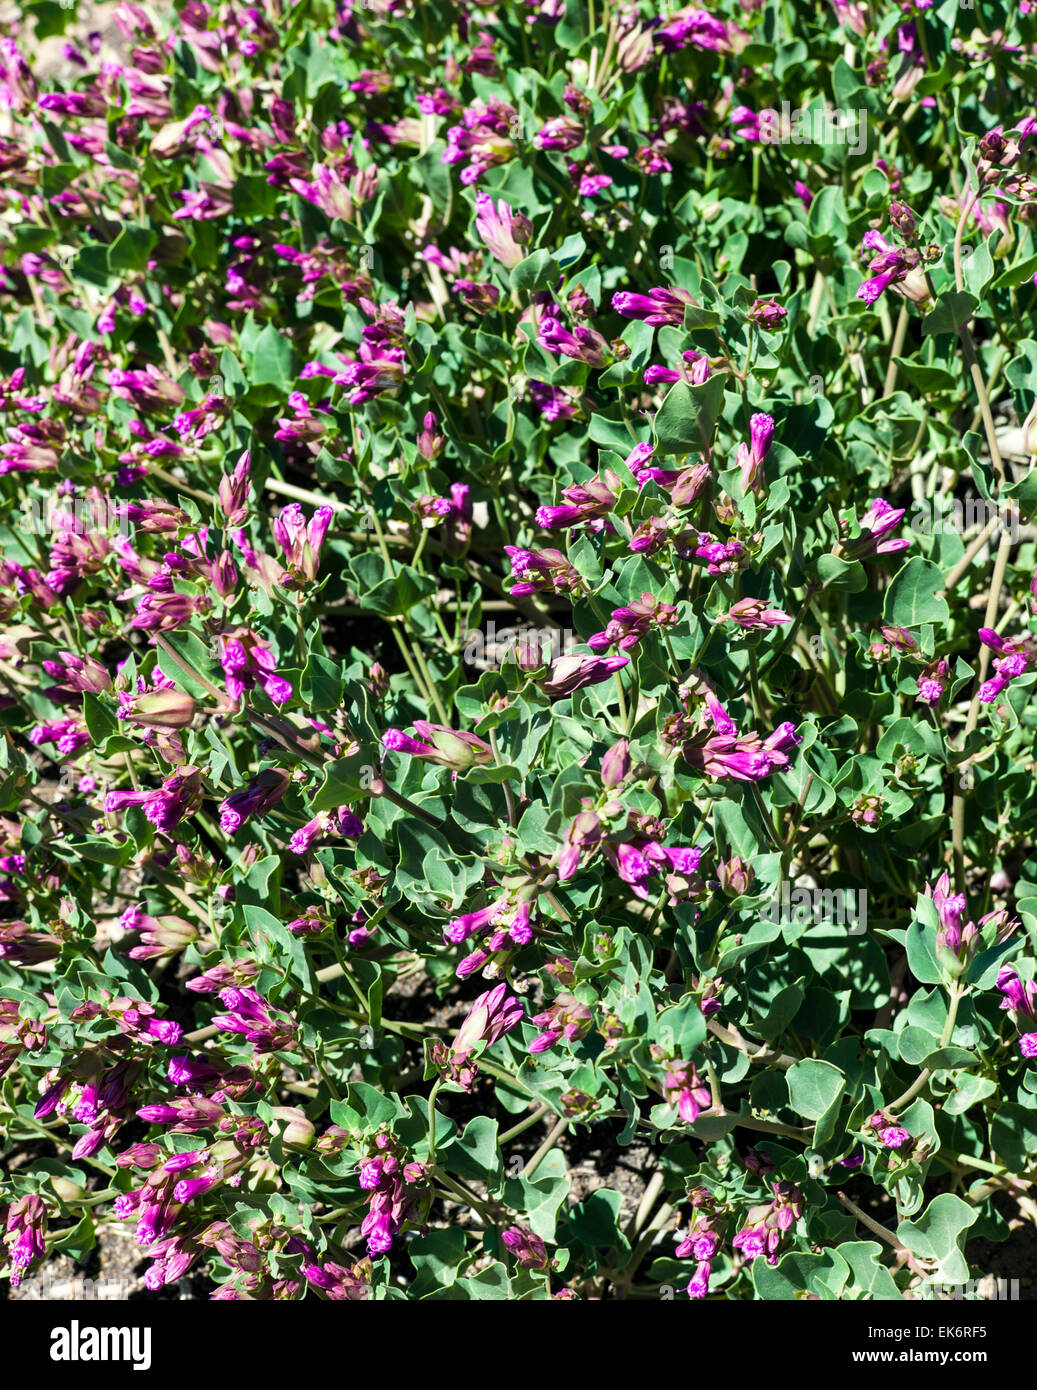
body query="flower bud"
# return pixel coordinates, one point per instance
(736, 877)
(615, 765)
(161, 709)
(296, 1129)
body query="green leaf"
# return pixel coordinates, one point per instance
(322, 682)
(837, 573)
(131, 249)
(682, 1028)
(540, 1197)
(345, 780)
(537, 271)
(475, 1156)
(436, 1257)
(77, 1241)
(392, 598)
(922, 961)
(911, 598)
(688, 415)
(271, 360)
(491, 1283)
(101, 723)
(796, 1273)
(939, 1234)
(870, 1276)
(1013, 1135)
(596, 1220)
(814, 1087)
(953, 311)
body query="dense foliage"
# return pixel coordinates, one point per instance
(518, 631)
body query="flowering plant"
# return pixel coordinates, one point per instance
(334, 334)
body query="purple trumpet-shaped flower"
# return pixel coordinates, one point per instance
(542, 571)
(658, 306)
(248, 661)
(504, 233)
(338, 1283)
(263, 792)
(753, 613)
(722, 557)
(951, 909)
(569, 673)
(479, 296)
(580, 343)
(701, 1241)
(685, 1091)
(615, 765)
(529, 1250)
(875, 526)
(767, 315)
(178, 797)
(492, 1015)
(639, 860)
(1020, 1001)
(234, 490)
(628, 625)
(750, 457)
(394, 1187)
(161, 937)
(300, 540)
(957, 939)
(585, 502)
(724, 753)
(559, 133)
(501, 916)
(446, 747)
(27, 1224)
(566, 1018)
(67, 735)
(76, 674)
(184, 1115)
(767, 1223)
(252, 1016)
(1014, 659)
(582, 838)
(932, 681)
(891, 267)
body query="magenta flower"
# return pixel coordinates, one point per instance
(580, 343)
(586, 502)
(542, 571)
(568, 673)
(503, 232)
(566, 1018)
(1014, 660)
(767, 315)
(300, 540)
(875, 526)
(248, 661)
(750, 457)
(890, 266)
(251, 1016)
(685, 1091)
(446, 747)
(529, 1250)
(629, 625)
(262, 793)
(493, 1014)
(658, 306)
(754, 614)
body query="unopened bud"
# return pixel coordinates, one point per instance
(735, 877)
(615, 765)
